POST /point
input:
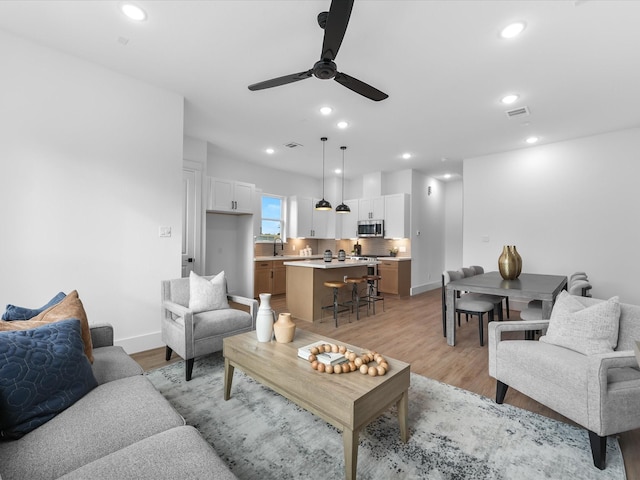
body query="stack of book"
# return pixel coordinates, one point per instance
(327, 358)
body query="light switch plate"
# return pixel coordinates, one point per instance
(165, 231)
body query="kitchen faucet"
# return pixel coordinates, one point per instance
(274, 245)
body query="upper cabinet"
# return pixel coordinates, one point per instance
(229, 196)
(348, 222)
(397, 221)
(307, 222)
(371, 208)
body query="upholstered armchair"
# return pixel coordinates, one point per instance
(598, 391)
(192, 332)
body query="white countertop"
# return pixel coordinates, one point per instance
(394, 259)
(286, 257)
(333, 264)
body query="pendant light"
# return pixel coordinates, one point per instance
(343, 208)
(323, 204)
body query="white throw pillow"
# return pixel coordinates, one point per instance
(206, 295)
(587, 330)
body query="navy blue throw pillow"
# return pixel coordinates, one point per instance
(21, 313)
(43, 371)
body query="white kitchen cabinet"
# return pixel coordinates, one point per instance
(307, 222)
(397, 220)
(371, 208)
(348, 222)
(230, 196)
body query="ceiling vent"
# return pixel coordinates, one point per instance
(292, 144)
(518, 112)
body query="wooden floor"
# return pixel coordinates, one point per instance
(410, 329)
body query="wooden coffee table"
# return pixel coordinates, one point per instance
(348, 401)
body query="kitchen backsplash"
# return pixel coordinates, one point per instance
(370, 246)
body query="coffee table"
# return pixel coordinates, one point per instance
(348, 401)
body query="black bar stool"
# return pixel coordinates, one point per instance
(337, 307)
(355, 294)
(373, 295)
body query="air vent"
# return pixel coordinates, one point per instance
(292, 144)
(518, 112)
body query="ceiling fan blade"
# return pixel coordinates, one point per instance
(336, 26)
(360, 87)
(276, 82)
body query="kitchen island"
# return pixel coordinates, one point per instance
(306, 293)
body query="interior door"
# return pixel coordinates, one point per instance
(191, 222)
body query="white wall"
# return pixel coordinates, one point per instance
(567, 206)
(453, 226)
(90, 168)
(427, 233)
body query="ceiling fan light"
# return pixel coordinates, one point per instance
(343, 208)
(133, 12)
(512, 30)
(323, 205)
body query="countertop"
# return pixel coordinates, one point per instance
(333, 264)
(291, 258)
(286, 257)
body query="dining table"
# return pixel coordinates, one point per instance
(528, 286)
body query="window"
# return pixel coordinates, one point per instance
(272, 224)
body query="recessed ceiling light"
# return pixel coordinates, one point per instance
(338, 171)
(270, 151)
(134, 12)
(343, 124)
(326, 110)
(512, 30)
(509, 99)
(532, 140)
(447, 176)
(406, 156)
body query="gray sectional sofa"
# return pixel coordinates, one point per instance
(122, 429)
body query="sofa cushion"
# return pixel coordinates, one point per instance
(43, 371)
(589, 330)
(177, 453)
(205, 295)
(14, 312)
(112, 363)
(110, 417)
(218, 322)
(69, 307)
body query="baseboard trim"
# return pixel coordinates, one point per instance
(425, 287)
(140, 343)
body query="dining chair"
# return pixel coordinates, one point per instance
(578, 285)
(467, 303)
(496, 299)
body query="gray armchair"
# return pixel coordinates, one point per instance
(600, 392)
(191, 334)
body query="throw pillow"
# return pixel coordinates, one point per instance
(69, 307)
(21, 313)
(206, 295)
(589, 330)
(43, 371)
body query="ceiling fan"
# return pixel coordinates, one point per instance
(334, 22)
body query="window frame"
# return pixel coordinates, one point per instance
(269, 238)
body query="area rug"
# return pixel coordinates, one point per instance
(454, 434)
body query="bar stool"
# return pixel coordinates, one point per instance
(355, 295)
(335, 306)
(373, 295)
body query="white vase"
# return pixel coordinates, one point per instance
(265, 319)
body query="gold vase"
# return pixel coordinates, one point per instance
(509, 264)
(518, 260)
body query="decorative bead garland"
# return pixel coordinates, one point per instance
(355, 362)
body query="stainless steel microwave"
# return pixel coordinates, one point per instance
(371, 228)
